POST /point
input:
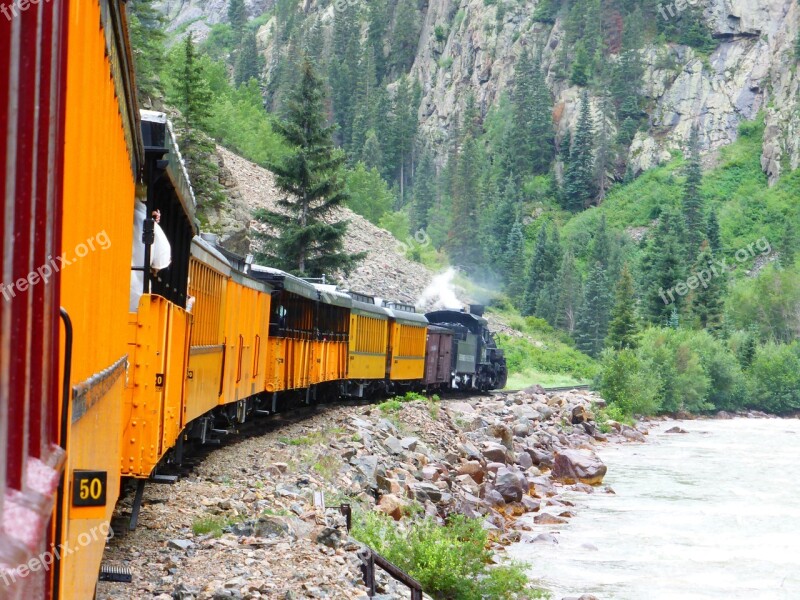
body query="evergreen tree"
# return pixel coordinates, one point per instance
(601, 244)
(424, 191)
(463, 246)
(579, 177)
(543, 268)
(146, 26)
(712, 233)
(708, 300)
(237, 16)
(404, 132)
(692, 204)
(372, 153)
(569, 293)
(515, 262)
(312, 179)
(581, 66)
(498, 217)
(193, 95)
(405, 37)
(378, 19)
(624, 327)
(343, 74)
(365, 117)
(592, 325)
(663, 269)
(249, 62)
(193, 99)
(529, 146)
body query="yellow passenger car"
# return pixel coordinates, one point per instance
(408, 334)
(369, 341)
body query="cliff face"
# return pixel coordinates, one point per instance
(752, 69)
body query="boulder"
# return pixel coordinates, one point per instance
(494, 452)
(524, 460)
(494, 498)
(472, 468)
(579, 415)
(571, 466)
(676, 429)
(426, 491)
(504, 433)
(511, 484)
(548, 519)
(540, 458)
(392, 505)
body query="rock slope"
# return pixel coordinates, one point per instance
(245, 524)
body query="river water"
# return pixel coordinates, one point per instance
(714, 514)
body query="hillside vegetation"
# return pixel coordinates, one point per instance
(676, 288)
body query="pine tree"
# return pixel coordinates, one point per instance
(249, 62)
(624, 327)
(581, 66)
(343, 74)
(579, 178)
(365, 117)
(569, 293)
(372, 153)
(708, 300)
(147, 25)
(663, 269)
(405, 37)
(237, 16)
(193, 95)
(463, 246)
(515, 262)
(378, 20)
(529, 146)
(301, 240)
(712, 233)
(692, 204)
(193, 99)
(592, 325)
(543, 268)
(424, 195)
(404, 131)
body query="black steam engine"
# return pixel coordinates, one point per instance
(478, 364)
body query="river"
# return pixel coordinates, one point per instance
(712, 514)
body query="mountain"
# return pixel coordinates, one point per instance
(470, 48)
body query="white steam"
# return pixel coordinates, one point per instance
(440, 293)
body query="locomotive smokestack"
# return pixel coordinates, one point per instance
(477, 309)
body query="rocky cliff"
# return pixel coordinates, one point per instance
(752, 69)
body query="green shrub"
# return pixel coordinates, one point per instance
(451, 562)
(627, 386)
(209, 525)
(775, 378)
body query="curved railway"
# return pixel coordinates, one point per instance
(124, 333)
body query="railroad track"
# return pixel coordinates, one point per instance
(565, 388)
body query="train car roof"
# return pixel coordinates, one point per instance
(157, 134)
(470, 321)
(437, 329)
(409, 318)
(207, 253)
(330, 295)
(281, 280)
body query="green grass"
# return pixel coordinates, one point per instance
(209, 525)
(451, 562)
(529, 377)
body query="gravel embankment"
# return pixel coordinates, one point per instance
(493, 458)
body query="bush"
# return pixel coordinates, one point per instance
(626, 386)
(775, 378)
(451, 562)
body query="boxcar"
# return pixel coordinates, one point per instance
(438, 357)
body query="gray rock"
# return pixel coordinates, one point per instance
(511, 484)
(426, 491)
(571, 466)
(409, 443)
(366, 465)
(330, 537)
(543, 538)
(393, 445)
(180, 544)
(524, 460)
(494, 498)
(494, 452)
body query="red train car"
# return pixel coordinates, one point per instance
(438, 358)
(32, 78)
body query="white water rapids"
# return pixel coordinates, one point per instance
(712, 514)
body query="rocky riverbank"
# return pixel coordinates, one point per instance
(244, 522)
